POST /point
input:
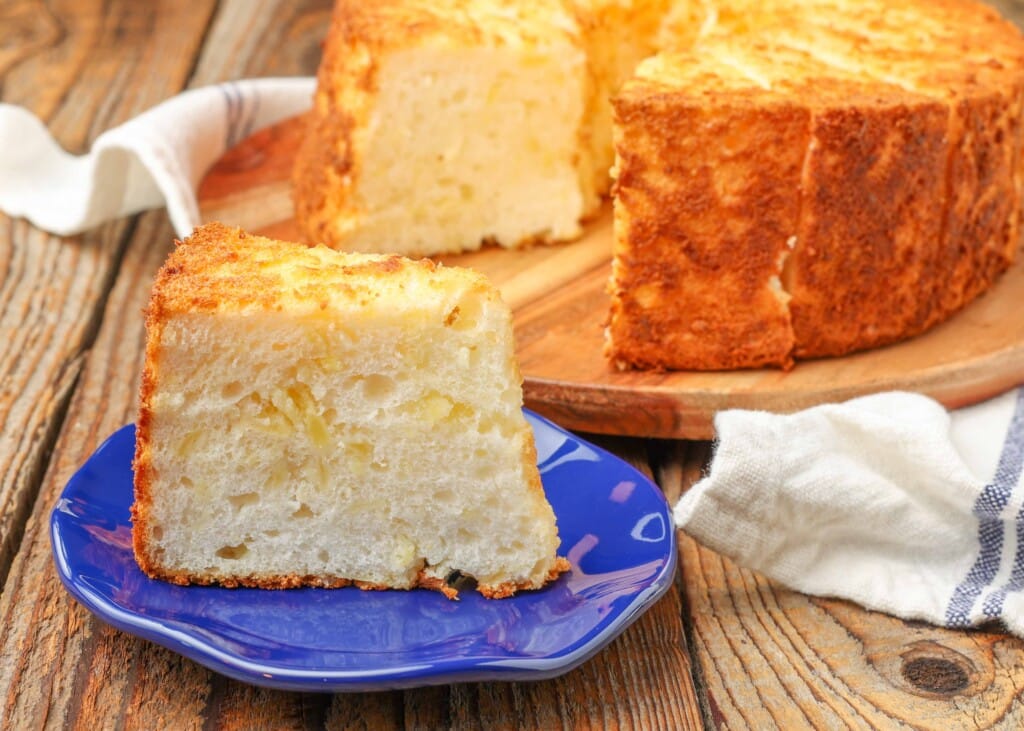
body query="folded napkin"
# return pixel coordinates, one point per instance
(887, 500)
(155, 159)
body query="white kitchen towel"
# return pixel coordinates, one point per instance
(888, 500)
(155, 159)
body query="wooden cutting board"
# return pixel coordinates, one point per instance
(557, 295)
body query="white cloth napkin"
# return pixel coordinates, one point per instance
(155, 159)
(887, 500)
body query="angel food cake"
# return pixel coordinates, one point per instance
(312, 417)
(791, 179)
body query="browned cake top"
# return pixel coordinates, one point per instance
(394, 23)
(947, 48)
(223, 269)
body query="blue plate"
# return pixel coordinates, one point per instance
(616, 531)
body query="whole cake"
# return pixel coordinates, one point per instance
(312, 417)
(791, 179)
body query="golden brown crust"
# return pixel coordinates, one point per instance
(700, 234)
(908, 195)
(142, 466)
(503, 591)
(865, 270)
(193, 277)
(293, 581)
(983, 209)
(327, 160)
(436, 584)
(254, 581)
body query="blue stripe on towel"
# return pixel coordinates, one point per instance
(1011, 463)
(233, 103)
(250, 108)
(988, 508)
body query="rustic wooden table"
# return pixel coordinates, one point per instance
(725, 648)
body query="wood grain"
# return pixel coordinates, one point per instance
(557, 294)
(52, 289)
(768, 657)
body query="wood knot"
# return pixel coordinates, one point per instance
(935, 675)
(932, 670)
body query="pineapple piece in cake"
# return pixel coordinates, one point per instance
(311, 417)
(441, 125)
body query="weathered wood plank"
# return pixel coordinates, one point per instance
(52, 673)
(82, 66)
(767, 657)
(58, 666)
(277, 39)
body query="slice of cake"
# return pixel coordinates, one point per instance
(310, 417)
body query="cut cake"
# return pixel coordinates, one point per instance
(793, 178)
(311, 417)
